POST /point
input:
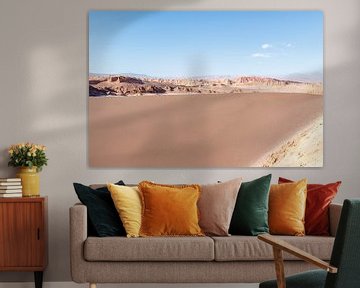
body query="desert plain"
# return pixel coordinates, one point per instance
(208, 123)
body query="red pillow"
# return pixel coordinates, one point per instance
(319, 197)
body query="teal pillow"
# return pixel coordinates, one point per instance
(250, 216)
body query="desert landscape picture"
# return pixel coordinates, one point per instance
(202, 89)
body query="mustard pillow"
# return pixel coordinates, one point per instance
(169, 210)
(287, 204)
(127, 201)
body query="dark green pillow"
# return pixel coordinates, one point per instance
(102, 215)
(250, 216)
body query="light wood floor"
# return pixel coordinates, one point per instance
(74, 285)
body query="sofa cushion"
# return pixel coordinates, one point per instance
(149, 249)
(127, 201)
(287, 204)
(102, 216)
(318, 199)
(244, 248)
(250, 216)
(216, 206)
(169, 210)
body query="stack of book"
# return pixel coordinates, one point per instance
(10, 187)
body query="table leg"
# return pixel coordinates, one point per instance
(38, 279)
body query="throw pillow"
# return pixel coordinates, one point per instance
(102, 215)
(127, 201)
(216, 206)
(169, 210)
(319, 197)
(250, 215)
(287, 204)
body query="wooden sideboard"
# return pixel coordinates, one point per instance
(23, 235)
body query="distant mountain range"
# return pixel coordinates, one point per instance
(119, 74)
(313, 77)
(125, 85)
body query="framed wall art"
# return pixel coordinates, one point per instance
(203, 89)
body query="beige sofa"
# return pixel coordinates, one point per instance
(234, 259)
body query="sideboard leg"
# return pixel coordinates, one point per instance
(92, 285)
(38, 279)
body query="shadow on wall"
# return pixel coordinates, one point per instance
(44, 73)
(4, 159)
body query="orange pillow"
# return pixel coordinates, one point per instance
(169, 210)
(287, 204)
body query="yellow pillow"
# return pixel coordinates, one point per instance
(127, 201)
(169, 210)
(287, 204)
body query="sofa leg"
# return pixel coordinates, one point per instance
(92, 285)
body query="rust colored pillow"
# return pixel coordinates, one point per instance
(319, 197)
(287, 204)
(169, 210)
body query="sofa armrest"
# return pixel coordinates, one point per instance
(78, 235)
(334, 216)
(279, 246)
(284, 246)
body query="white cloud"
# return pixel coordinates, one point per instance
(288, 45)
(260, 55)
(266, 46)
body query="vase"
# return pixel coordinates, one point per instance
(30, 181)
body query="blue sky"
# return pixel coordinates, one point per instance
(206, 43)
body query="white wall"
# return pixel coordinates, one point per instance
(43, 90)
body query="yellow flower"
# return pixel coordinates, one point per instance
(41, 147)
(27, 152)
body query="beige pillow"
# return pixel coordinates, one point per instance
(216, 205)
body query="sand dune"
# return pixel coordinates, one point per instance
(208, 130)
(304, 149)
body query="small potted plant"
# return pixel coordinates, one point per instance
(30, 158)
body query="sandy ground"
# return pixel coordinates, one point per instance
(304, 149)
(210, 130)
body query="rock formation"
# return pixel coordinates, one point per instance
(120, 85)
